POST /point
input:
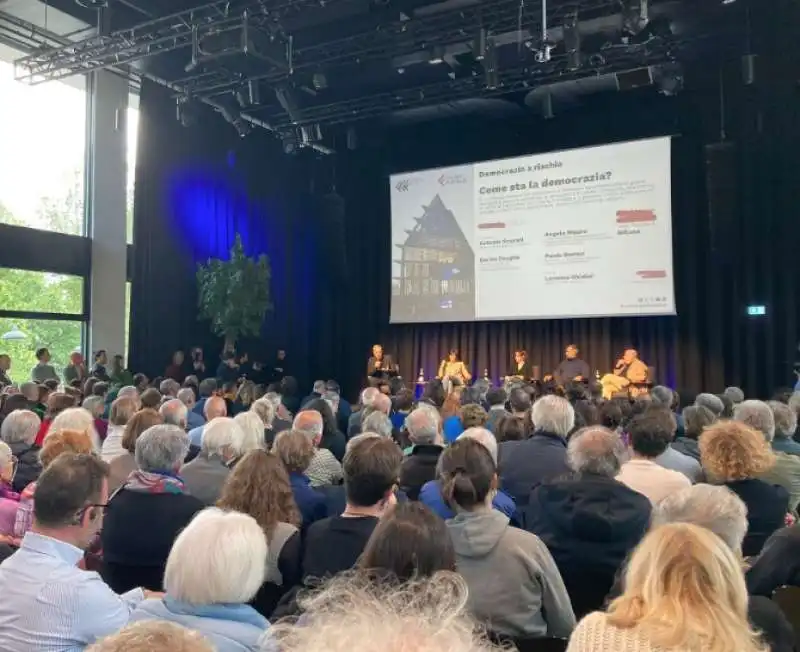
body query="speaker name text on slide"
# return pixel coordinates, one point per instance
(578, 233)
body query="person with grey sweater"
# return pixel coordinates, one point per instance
(515, 588)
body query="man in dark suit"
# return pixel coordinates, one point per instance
(380, 364)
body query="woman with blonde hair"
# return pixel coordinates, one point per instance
(259, 486)
(253, 429)
(76, 418)
(735, 455)
(684, 592)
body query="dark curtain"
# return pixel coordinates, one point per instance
(196, 188)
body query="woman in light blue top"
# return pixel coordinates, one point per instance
(215, 567)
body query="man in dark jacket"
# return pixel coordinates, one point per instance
(589, 521)
(424, 430)
(496, 397)
(524, 465)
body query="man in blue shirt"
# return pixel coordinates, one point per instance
(48, 602)
(214, 407)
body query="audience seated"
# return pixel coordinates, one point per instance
(695, 419)
(153, 636)
(650, 436)
(379, 424)
(683, 592)
(63, 441)
(778, 564)
(509, 428)
(515, 586)
(735, 454)
(77, 418)
(355, 614)
(206, 474)
(295, 451)
(526, 464)
(331, 439)
(174, 413)
(187, 396)
(19, 430)
(252, 428)
(786, 468)
(589, 521)
(324, 469)
(57, 402)
(214, 569)
(367, 397)
(213, 408)
(145, 515)
(711, 402)
(409, 543)
(419, 466)
(122, 411)
(48, 602)
(496, 399)
(123, 465)
(722, 512)
(371, 469)
(259, 486)
(9, 499)
(264, 409)
(431, 493)
(785, 427)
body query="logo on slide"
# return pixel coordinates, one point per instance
(451, 179)
(404, 184)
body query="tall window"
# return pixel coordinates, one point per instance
(133, 131)
(42, 154)
(24, 295)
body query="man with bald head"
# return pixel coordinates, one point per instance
(213, 407)
(628, 370)
(589, 521)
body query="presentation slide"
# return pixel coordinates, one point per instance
(578, 233)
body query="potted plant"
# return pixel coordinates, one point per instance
(234, 294)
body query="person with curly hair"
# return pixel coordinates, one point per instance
(259, 486)
(734, 454)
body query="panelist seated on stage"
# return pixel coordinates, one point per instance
(521, 369)
(453, 367)
(571, 368)
(629, 369)
(380, 365)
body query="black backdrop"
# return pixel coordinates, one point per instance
(328, 320)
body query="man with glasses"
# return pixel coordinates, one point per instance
(48, 602)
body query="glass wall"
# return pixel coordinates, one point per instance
(19, 338)
(30, 291)
(42, 154)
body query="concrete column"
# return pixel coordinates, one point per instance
(106, 165)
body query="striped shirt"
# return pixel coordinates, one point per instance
(49, 604)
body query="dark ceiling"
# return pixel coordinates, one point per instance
(301, 67)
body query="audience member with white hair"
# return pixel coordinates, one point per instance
(662, 396)
(710, 402)
(153, 636)
(589, 520)
(122, 410)
(145, 515)
(128, 390)
(169, 388)
(366, 399)
(324, 469)
(9, 499)
(785, 427)
(215, 567)
(378, 423)
(252, 428)
(19, 430)
(351, 613)
(515, 586)
(424, 428)
(187, 396)
(683, 591)
(77, 418)
(206, 474)
(174, 413)
(786, 469)
(527, 463)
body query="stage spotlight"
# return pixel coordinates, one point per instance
(436, 55)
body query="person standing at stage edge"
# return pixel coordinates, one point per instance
(629, 369)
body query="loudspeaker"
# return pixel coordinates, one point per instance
(723, 198)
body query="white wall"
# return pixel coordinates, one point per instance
(106, 187)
